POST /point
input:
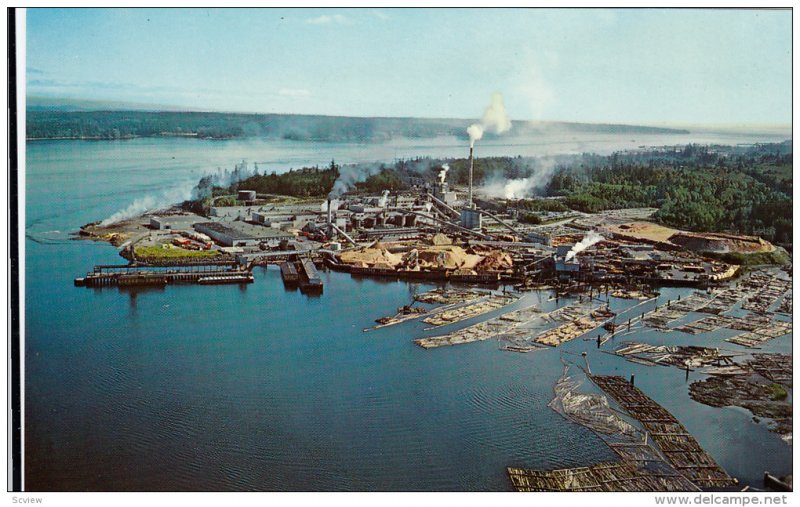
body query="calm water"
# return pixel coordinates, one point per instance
(259, 388)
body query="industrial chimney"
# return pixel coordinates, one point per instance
(329, 222)
(469, 195)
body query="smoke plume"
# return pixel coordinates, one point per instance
(588, 240)
(149, 202)
(384, 199)
(334, 205)
(349, 175)
(495, 119)
(182, 192)
(499, 186)
(223, 178)
(443, 172)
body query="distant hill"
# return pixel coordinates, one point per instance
(52, 104)
(67, 121)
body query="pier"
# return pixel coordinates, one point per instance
(310, 281)
(127, 275)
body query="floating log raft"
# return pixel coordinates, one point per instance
(579, 317)
(446, 297)
(624, 476)
(471, 310)
(762, 334)
(676, 443)
(786, 304)
(769, 288)
(774, 367)
(237, 278)
(641, 467)
(680, 356)
(761, 387)
(404, 314)
(663, 316)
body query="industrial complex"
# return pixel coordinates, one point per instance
(483, 259)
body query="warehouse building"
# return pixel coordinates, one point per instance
(225, 235)
(159, 223)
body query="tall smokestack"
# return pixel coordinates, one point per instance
(469, 195)
(330, 229)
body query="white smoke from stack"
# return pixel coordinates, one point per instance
(334, 205)
(495, 119)
(443, 172)
(498, 186)
(190, 189)
(475, 132)
(349, 175)
(588, 240)
(384, 199)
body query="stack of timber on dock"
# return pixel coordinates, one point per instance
(676, 443)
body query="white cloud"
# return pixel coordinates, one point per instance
(380, 14)
(294, 92)
(327, 20)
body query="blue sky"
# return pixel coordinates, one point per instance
(634, 66)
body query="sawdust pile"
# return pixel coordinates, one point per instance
(371, 257)
(441, 239)
(449, 257)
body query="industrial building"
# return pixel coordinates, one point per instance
(224, 235)
(159, 223)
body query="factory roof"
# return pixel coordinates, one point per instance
(224, 229)
(259, 231)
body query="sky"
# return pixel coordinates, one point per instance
(647, 66)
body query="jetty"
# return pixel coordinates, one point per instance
(131, 275)
(310, 281)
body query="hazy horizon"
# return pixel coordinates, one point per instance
(85, 105)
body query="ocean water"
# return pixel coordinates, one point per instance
(260, 388)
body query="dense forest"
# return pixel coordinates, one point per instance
(58, 124)
(699, 188)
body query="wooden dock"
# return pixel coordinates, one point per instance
(289, 274)
(676, 443)
(128, 276)
(310, 281)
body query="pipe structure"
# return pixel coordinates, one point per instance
(348, 238)
(451, 224)
(501, 222)
(442, 203)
